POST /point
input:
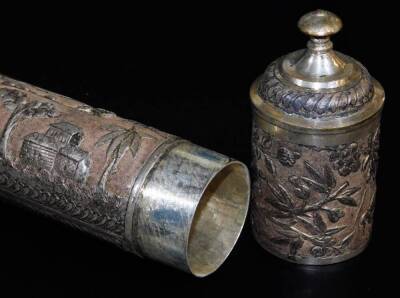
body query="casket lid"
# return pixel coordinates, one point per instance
(314, 87)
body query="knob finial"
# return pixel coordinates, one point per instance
(320, 24)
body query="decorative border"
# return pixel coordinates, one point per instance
(314, 105)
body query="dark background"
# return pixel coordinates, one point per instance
(186, 69)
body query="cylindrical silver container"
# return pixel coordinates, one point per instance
(144, 190)
(315, 150)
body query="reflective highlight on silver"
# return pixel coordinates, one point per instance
(144, 190)
(192, 209)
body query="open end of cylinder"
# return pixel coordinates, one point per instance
(218, 220)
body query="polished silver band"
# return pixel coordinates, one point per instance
(130, 242)
(189, 207)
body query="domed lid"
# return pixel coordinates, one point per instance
(317, 83)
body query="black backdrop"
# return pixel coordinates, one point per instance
(186, 69)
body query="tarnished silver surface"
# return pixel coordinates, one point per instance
(315, 150)
(142, 189)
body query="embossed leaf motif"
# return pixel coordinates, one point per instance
(334, 231)
(329, 177)
(321, 188)
(346, 196)
(303, 192)
(281, 195)
(263, 143)
(284, 222)
(366, 162)
(277, 204)
(319, 222)
(320, 182)
(280, 240)
(370, 162)
(269, 164)
(346, 240)
(287, 232)
(309, 225)
(294, 246)
(367, 217)
(279, 214)
(301, 210)
(301, 189)
(305, 221)
(347, 201)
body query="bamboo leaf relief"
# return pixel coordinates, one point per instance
(319, 222)
(350, 191)
(329, 177)
(294, 246)
(309, 220)
(370, 150)
(281, 195)
(346, 240)
(349, 201)
(269, 164)
(321, 188)
(288, 233)
(334, 231)
(314, 173)
(313, 200)
(339, 190)
(309, 225)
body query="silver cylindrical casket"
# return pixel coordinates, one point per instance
(144, 190)
(315, 150)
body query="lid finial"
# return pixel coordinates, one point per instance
(316, 82)
(319, 66)
(320, 24)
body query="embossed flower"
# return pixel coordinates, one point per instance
(334, 214)
(346, 158)
(287, 157)
(318, 251)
